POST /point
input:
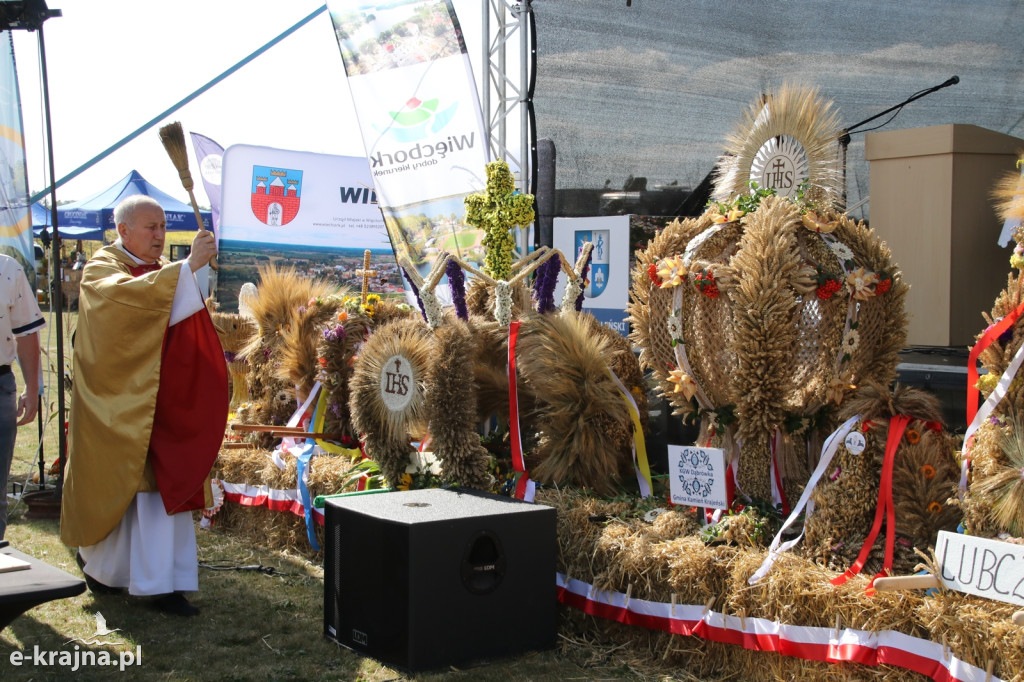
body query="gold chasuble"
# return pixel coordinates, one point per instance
(149, 402)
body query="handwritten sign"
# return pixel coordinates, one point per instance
(982, 567)
(697, 476)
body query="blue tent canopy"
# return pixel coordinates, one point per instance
(40, 215)
(97, 212)
(41, 220)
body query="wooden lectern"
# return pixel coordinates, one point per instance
(931, 203)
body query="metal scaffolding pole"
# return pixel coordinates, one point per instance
(503, 95)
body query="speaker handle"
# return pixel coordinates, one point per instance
(483, 563)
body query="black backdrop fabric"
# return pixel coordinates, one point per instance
(652, 89)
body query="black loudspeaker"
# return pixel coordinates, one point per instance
(424, 579)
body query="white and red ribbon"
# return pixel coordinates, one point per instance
(976, 416)
(778, 493)
(885, 509)
(828, 451)
(760, 634)
(271, 498)
(525, 488)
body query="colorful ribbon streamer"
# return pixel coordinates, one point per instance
(640, 464)
(525, 488)
(885, 508)
(319, 416)
(976, 416)
(828, 451)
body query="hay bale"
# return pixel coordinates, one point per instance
(274, 529)
(610, 545)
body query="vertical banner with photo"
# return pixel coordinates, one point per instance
(15, 216)
(607, 291)
(314, 212)
(425, 139)
(210, 157)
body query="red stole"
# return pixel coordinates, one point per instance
(191, 409)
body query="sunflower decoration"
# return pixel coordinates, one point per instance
(791, 304)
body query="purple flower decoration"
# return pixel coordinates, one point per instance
(544, 286)
(457, 283)
(335, 409)
(1007, 336)
(335, 334)
(416, 291)
(583, 276)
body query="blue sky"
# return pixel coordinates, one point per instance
(112, 65)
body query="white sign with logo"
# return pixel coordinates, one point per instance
(697, 476)
(280, 196)
(607, 291)
(780, 164)
(982, 567)
(855, 442)
(396, 383)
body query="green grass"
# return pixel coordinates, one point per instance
(253, 626)
(464, 239)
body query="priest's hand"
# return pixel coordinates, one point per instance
(204, 247)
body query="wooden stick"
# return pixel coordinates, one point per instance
(906, 582)
(260, 428)
(524, 261)
(173, 138)
(537, 262)
(473, 271)
(296, 431)
(581, 262)
(436, 272)
(236, 446)
(321, 436)
(411, 272)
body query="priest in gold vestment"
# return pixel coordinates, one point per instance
(148, 410)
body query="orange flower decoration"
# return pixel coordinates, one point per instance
(934, 507)
(913, 437)
(928, 471)
(342, 316)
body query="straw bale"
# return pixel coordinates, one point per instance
(268, 528)
(609, 544)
